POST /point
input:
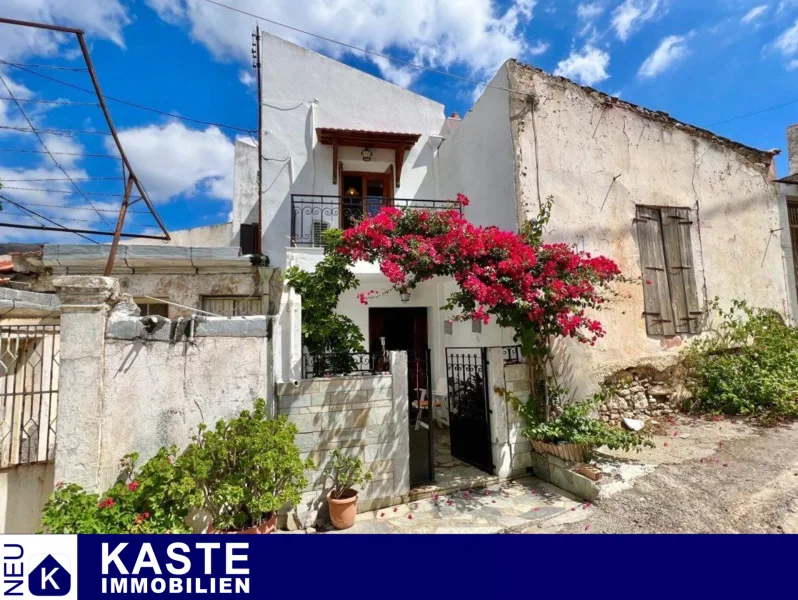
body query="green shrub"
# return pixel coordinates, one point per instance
(324, 331)
(345, 472)
(747, 365)
(245, 468)
(240, 471)
(576, 426)
(150, 500)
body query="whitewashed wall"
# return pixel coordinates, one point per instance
(303, 90)
(583, 141)
(477, 160)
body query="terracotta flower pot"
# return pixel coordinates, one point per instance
(343, 510)
(266, 526)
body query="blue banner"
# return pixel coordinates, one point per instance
(210, 566)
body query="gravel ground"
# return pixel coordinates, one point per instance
(710, 477)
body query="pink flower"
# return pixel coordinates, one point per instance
(106, 503)
(133, 486)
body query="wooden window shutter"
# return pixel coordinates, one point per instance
(694, 312)
(656, 291)
(677, 266)
(249, 238)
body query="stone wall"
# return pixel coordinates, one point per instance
(512, 453)
(643, 393)
(129, 385)
(364, 417)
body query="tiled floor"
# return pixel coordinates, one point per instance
(495, 509)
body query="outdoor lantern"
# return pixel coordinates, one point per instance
(405, 296)
(351, 192)
(366, 154)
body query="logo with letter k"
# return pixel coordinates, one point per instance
(49, 578)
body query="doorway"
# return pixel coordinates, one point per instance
(363, 195)
(406, 329)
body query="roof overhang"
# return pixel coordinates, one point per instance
(793, 179)
(361, 138)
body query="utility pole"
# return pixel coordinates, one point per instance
(256, 64)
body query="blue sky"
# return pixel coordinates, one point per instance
(704, 62)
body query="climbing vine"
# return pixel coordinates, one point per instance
(323, 330)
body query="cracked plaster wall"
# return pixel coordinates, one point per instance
(598, 158)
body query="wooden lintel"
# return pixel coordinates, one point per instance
(335, 162)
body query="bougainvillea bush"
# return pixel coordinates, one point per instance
(539, 290)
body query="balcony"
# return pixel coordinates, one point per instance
(312, 214)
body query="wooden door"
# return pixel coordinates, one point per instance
(362, 195)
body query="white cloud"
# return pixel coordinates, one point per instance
(632, 14)
(588, 66)
(787, 42)
(247, 78)
(174, 160)
(476, 34)
(793, 65)
(589, 11)
(100, 18)
(754, 13)
(670, 50)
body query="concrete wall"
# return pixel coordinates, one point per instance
(477, 160)
(23, 493)
(302, 91)
(125, 387)
(365, 417)
(210, 236)
(583, 141)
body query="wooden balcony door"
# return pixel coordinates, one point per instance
(362, 195)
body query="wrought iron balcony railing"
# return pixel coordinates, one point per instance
(313, 214)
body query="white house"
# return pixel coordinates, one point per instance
(692, 214)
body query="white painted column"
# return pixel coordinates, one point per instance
(84, 310)
(499, 427)
(401, 410)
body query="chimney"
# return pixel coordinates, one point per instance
(792, 148)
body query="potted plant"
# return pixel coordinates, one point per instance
(246, 469)
(345, 472)
(574, 434)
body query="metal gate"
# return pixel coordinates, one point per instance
(469, 416)
(422, 451)
(28, 393)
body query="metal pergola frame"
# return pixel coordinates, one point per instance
(131, 179)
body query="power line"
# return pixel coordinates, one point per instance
(55, 67)
(66, 192)
(127, 102)
(83, 154)
(56, 131)
(61, 206)
(46, 149)
(751, 114)
(437, 71)
(76, 220)
(6, 180)
(407, 63)
(56, 102)
(35, 214)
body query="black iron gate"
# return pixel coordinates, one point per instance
(469, 415)
(422, 452)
